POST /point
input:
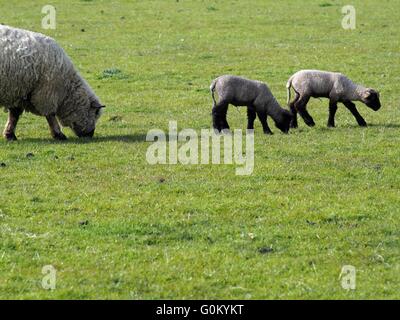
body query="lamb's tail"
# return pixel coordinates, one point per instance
(288, 86)
(212, 90)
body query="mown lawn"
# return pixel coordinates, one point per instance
(114, 226)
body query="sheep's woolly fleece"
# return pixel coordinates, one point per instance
(37, 75)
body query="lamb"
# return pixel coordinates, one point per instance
(255, 95)
(334, 86)
(37, 76)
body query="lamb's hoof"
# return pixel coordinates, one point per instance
(310, 124)
(270, 133)
(330, 125)
(10, 136)
(363, 124)
(60, 137)
(294, 126)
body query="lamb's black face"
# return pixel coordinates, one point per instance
(284, 124)
(372, 100)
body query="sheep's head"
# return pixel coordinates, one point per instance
(81, 112)
(371, 98)
(283, 123)
(86, 125)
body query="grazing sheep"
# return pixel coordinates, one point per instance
(253, 94)
(334, 86)
(37, 76)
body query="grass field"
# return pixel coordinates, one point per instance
(114, 226)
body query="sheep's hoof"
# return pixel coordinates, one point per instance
(10, 136)
(331, 125)
(294, 125)
(310, 124)
(363, 124)
(270, 133)
(60, 137)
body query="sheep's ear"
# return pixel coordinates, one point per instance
(366, 94)
(96, 105)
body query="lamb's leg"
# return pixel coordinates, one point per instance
(352, 107)
(262, 116)
(216, 119)
(301, 105)
(55, 129)
(13, 117)
(223, 119)
(293, 123)
(251, 116)
(332, 112)
(218, 115)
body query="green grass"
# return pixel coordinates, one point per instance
(115, 227)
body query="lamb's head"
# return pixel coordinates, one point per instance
(371, 98)
(283, 121)
(83, 112)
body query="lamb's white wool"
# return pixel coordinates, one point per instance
(37, 76)
(332, 85)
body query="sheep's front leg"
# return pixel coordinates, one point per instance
(13, 117)
(301, 105)
(251, 116)
(352, 107)
(332, 112)
(262, 116)
(55, 129)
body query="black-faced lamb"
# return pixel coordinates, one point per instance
(37, 76)
(334, 86)
(255, 95)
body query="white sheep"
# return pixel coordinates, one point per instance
(37, 76)
(334, 86)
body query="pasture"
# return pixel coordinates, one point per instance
(114, 226)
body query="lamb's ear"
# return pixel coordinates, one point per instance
(366, 94)
(96, 105)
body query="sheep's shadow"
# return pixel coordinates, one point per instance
(356, 126)
(386, 125)
(376, 125)
(127, 138)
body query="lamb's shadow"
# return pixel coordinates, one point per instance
(386, 125)
(377, 125)
(356, 126)
(127, 138)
